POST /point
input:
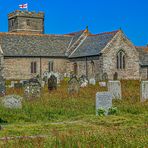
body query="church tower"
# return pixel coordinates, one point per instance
(24, 21)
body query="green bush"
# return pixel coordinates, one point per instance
(101, 112)
(113, 111)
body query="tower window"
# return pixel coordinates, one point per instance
(120, 60)
(33, 67)
(28, 22)
(12, 22)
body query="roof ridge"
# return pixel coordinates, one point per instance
(31, 34)
(141, 46)
(73, 33)
(111, 32)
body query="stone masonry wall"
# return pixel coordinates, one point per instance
(120, 42)
(144, 73)
(20, 68)
(24, 21)
(90, 66)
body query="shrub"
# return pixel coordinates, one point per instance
(112, 111)
(3, 121)
(101, 112)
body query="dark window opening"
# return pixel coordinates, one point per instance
(75, 68)
(93, 67)
(33, 67)
(28, 22)
(12, 22)
(50, 66)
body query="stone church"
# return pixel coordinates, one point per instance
(26, 51)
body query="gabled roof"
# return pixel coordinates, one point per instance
(143, 54)
(93, 44)
(77, 44)
(20, 44)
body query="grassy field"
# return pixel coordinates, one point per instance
(61, 120)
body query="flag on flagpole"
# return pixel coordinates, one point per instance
(23, 6)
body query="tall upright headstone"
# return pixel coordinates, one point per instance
(73, 85)
(144, 91)
(103, 101)
(52, 83)
(114, 87)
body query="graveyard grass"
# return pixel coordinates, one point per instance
(61, 120)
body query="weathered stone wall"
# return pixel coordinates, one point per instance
(24, 21)
(120, 42)
(90, 66)
(144, 73)
(20, 68)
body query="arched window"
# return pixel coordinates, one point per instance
(92, 67)
(121, 60)
(75, 68)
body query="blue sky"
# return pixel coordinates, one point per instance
(64, 16)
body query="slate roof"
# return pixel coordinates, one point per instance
(28, 45)
(20, 44)
(75, 36)
(93, 44)
(143, 54)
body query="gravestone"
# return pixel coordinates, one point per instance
(18, 85)
(102, 84)
(52, 83)
(104, 77)
(73, 85)
(32, 88)
(12, 102)
(115, 77)
(43, 84)
(144, 91)
(47, 75)
(114, 87)
(83, 80)
(2, 86)
(92, 81)
(103, 101)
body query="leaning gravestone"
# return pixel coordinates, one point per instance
(12, 102)
(52, 83)
(2, 86)
(73, 85)
(144, 91)
(103, 101)
(114, 87)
